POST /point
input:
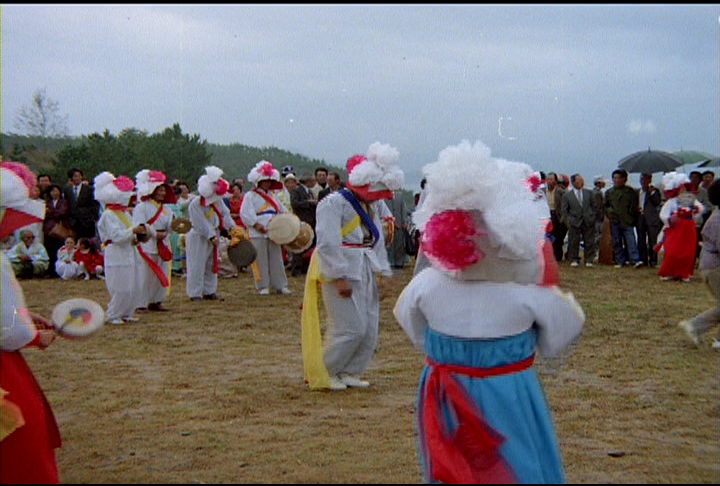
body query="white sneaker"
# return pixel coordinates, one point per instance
(353, 381)
(264, 292)
(666, 279)
(588, 264)
(285, 291)
(716, 344)
(131, 319)
(618, 266)
(574, 264)
(115, 321)
(686, 280)
(691, 332)
(336, 384)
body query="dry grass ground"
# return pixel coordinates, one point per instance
(213, 392)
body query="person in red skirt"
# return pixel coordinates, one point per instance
(679, 234)
(29, 433)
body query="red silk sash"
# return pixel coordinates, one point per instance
(154, 267)
(467, 453)
(115, 207)
(164, 252)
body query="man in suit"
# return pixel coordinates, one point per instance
(578, 213)
(84, 209)
(649, 222)
(304, 204)
(334, 183)
(553, 195)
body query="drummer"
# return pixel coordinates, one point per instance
(153, 192)
(258, 208)
(209, 217)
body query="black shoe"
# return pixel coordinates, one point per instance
(212, 297)
(195, 299)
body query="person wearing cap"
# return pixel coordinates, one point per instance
(290, 182)
(153, 192)
(210, 218)
(259, 206)
(487, 304)
(120, 239)
(350, 250)
(29, 433)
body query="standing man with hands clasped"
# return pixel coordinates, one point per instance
(578, 213)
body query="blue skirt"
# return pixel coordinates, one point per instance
(514, 405)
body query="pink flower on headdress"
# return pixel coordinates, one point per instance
(448, 240)
(156, 176)
(124, 183)
(266, 169)
(353, 161)
(222, 186)
(22, 171)
(532, 182)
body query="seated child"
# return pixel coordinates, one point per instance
(89, 259)
(65, 266)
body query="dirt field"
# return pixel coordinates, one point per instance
(213, 392)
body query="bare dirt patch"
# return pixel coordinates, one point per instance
(213, 392)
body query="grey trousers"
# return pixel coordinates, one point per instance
(711, 317)
(270, 265)
(355, 321)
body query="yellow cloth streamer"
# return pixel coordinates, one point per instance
(316, 375)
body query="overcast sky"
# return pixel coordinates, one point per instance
(562, 88)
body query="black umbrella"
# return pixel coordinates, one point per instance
(649, 162)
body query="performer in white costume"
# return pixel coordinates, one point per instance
(490, 298)
(258, 208)
(119, 237)
(350, 251)
(155, 252)
(209, 217)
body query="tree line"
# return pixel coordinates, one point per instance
(47, 149)
(177, 154)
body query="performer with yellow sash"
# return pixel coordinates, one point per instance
(209, 217)
(259, 206)
(119, 238)
(350, 251)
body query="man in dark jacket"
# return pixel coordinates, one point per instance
(621, 207)
(649, 222)
(84, 209)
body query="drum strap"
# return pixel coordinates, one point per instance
(269, 202)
